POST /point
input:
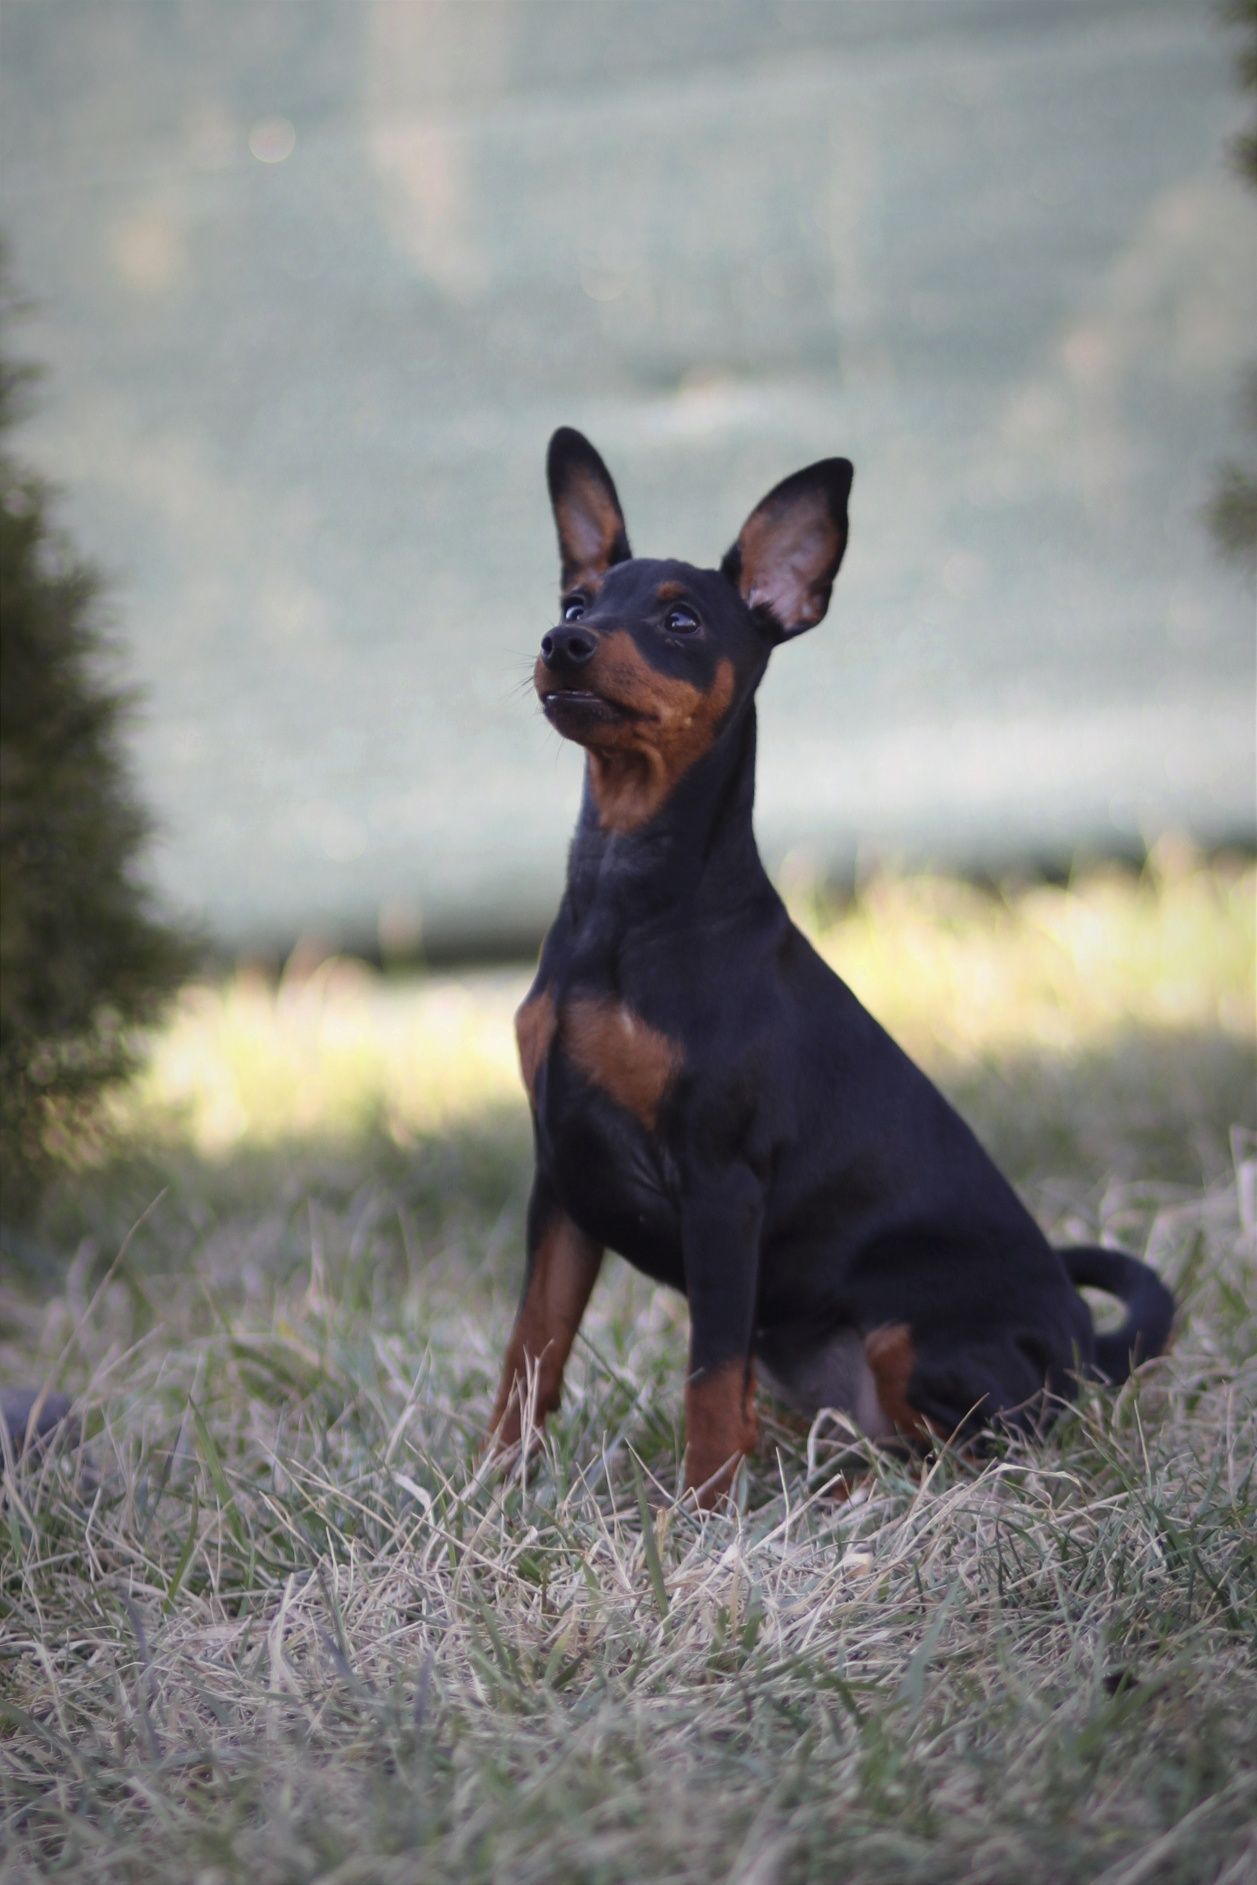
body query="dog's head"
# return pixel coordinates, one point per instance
(651, 659)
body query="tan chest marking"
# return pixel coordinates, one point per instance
(534, 1031)
(633, 1063)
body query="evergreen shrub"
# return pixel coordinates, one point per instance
(85, 961)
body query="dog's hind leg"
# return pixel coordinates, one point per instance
(834, 1373)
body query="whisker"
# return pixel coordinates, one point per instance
(523, 685)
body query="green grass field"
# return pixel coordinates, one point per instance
(270, 1625)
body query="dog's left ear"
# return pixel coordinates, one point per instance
(788, 551)
(587, 512)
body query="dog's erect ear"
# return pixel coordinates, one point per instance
(788, 551)
(586, 509)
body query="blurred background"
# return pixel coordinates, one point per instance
(313, 283)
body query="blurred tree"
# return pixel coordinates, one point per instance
(1232, 510)
(83, 959)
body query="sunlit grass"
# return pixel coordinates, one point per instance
(336, 1049)
(957, 973)
(271, 1624)
(1054, 968)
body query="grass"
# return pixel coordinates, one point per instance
(269, 1624)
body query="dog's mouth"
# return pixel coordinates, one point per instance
(570, 710)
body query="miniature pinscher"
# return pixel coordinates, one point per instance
(708, 1098)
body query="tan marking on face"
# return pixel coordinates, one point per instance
(534, 1031)
(671, 592)
(633, 1063)
(892, 1357)
(634, 766)
(720, 1428)
(564, 1271)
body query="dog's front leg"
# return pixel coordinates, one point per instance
(722, 1218)
(561, 1270)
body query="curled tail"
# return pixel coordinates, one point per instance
(1149, 1306)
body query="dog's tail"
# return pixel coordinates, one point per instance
(1149, 1306)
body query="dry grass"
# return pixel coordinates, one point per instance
(269, 1624)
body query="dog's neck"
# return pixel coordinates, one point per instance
(696, 857)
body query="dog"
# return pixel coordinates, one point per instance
(708, 1098)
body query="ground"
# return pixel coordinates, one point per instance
(270, 1622)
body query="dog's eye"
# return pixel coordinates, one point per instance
(681, 620)
(573, 608)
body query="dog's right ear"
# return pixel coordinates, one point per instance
(587, 511)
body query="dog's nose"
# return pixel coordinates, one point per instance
(568, 646)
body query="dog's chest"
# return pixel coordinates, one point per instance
(600, 1078)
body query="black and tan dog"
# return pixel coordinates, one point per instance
(708, 1098)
